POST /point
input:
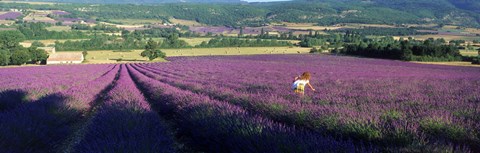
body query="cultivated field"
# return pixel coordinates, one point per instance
(110, 56)
(473, 30)
(7, 22)
(137, 21)
(241, 104)
(185, 22)
(46, 42)
(234, 51)
(59, 28)
(39, 16)
(190, 41)
(126, 27)
(469, 53)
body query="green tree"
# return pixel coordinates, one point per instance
(240, 34)
(478, 52)
(4, 57)
(152, 51)
(85, 53)
(10, 39)
(37, 44)
(19, 57)
(37, 55)
(407, 55)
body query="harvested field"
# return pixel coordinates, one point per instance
(185, 22)
(137, 21)
(59, 28)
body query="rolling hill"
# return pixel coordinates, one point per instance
(324, 12)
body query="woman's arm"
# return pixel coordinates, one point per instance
(309, 85)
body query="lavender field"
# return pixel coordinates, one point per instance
(10, 15)
(241, 104)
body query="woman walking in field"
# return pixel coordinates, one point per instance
(300, 82)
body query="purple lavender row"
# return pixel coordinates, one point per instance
(215, 126)
(371, 111)
(44, 126)
(50, 75)
(17, 94)
(336, 96)
(35, 83)
(55, 81)
(126, 123)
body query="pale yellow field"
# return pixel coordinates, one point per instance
(190, 41)
(38, 18)
(137, 21)
(8, 22)
(109, 56)
(234, 51)
(469, 53)
(122, 26)
(185, 22)
(38, 15)
(473, 30)
(233, 34)
(450, 27)
(59, 28)
(28, 43)
(195, 41)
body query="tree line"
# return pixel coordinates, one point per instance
(38, 31)
(100, 27)
(129, 40)
(378, 31)
(408, 50)
(12, 53)
(238, 42)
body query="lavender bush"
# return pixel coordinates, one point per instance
(241, 104)
(126, 123)
(385, 102)
(44, 125)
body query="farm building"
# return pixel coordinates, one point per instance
(65, 58)
(49, 50)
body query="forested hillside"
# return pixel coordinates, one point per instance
(472, 5)
(323, 12)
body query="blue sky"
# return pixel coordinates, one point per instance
(264, 0)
